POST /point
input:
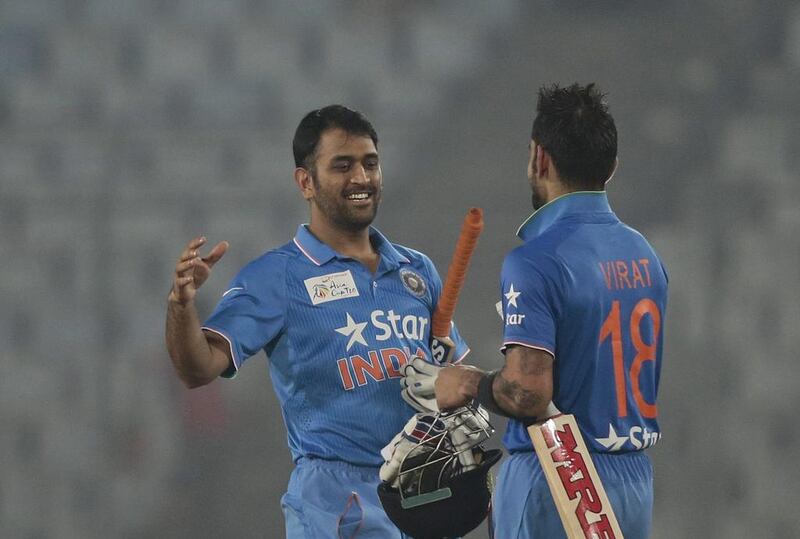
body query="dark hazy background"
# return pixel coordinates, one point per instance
(127, 127)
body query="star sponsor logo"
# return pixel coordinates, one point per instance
(413, 282)
(379, 346)
(331, 287)
(639, 437)
(513, 319)
(511, 296)
(386, 325)
(354, 330)
(612, 442)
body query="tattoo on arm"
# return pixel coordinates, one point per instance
(516, 398)
(533, 368)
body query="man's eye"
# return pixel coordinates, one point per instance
(371, 164)
(341, 167)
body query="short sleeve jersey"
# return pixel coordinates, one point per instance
(591, 291)
(336, 336)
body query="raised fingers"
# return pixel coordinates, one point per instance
(216, 253)
(186, 265)
(181, 282)
(191, 248)
(181, 291)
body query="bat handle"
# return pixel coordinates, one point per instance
(443, 350)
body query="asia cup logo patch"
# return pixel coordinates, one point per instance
(413, 282)
(320, 292)
(331, 287)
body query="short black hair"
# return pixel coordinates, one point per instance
(574, 126)
(316, 122)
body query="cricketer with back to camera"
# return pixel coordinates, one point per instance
(339, 310)
(583, 302)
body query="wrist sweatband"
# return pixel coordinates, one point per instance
(485, 397)
(485, 394)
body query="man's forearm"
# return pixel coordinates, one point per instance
(516, 400)
(188, 347)
(509, 398)
(522, 389)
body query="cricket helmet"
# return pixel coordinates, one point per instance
(444, 484)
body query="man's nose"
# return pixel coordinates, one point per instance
(359, 175)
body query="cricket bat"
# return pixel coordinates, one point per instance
(577, 491)
(442, 347)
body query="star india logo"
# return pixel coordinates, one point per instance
(386, 325)
(513, 319)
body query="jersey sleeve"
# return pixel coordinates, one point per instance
(529, 304)
(251, 313)
(462, 349)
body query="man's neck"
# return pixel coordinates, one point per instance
(555, 190)
(351, 243)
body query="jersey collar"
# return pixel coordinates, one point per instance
(320, 253)
(571, 203)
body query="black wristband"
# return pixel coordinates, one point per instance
(485, 397)
(485, 394)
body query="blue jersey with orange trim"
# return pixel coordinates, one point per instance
(591, 291)
(336, 336)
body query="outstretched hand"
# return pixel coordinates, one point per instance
(192, 271)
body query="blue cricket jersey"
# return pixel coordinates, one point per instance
(591, 291)
(336, 336)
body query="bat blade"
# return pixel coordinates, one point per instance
(578, 493)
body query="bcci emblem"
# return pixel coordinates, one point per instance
(413, 282)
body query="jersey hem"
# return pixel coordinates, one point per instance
(527, 345)
(462, 356)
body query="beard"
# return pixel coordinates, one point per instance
(341, 212)
(537, 193)
(536, 201)
(537, 197)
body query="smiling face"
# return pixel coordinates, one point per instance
(345, 181)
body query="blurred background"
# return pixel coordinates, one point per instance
(128, 127)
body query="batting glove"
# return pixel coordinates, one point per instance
(468, 430)
(420, 428)
(418, 381)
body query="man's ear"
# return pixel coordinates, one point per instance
(304, 181)
(542, 161)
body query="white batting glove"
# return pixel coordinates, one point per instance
(419, 428)
(418, 381)
(467, 431)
